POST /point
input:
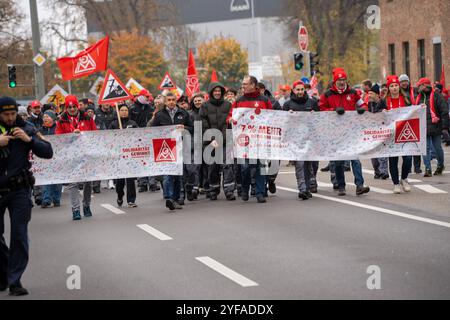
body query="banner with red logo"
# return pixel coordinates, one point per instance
(87, 62)
(326, 136)
(111, 154)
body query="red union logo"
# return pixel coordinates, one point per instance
(165, 150)
(407, 131)
(243, 140)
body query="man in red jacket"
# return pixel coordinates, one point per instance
(74, 121)
(342, 98)
(251, 99)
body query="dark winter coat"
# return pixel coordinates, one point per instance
(37, 121)
(301, 104)
(214, 112)
(126, 124)
(141, 114)
(103, 119)
(441, 109)
(162, 118)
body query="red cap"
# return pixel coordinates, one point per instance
(392, 79)
(296, 83)
(35, 103)
(424, 81)
(339, 73)
(145, 92)
(284, 87)
(71, 100)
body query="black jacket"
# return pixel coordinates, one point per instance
(375, 107)
(126, 124)
(103, 120)
(301, 104)
(441, 109)
(19, 151)
(162, 118)
(141, 114)
(214, 112)
(36, 121)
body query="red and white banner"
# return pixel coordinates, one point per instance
(87, 62)
(111, 154)
(326, 136)
(192, 85)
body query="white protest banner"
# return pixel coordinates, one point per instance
(111, 154)
(325, 136)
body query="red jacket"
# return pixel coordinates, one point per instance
(252, 100)
(83, 123)
(350, 100)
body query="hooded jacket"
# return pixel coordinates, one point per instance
(103, 119)
(350, 100)
(301, 104)
(141, 113)
(441, 109)
(214, 112)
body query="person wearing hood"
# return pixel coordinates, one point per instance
(301, 102)
(437, 124)
(341, 98)
(129, 182)
(214, 114)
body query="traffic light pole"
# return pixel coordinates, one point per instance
(38, 71)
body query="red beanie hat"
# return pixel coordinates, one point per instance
(296, 83)
(424, 81)
(71, 100)
(392, 79)
(339, 73)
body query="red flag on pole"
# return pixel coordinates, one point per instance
(192, 85)
(443, 78)
(87, 62)
(214, 76)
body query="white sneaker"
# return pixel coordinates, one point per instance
(406, 186)
(111, 184)
(397, 189)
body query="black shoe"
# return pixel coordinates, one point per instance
(170, 204)
(377, 176)
(253, 192)
(384, 176)
(143, 189)
(195, 194)
(244, 196)
(119, 202)
(96, 190)
(418, 171)
(38, 202)
(261, 199)
(154, 188)
(272, 187)
(181, 202)
(341, 192)
(213, 196)
(439, 171)
(325, 169)
(17, 291)
(230, 197)
(309, 194)
(46, 205)
(190, 196)
(360, 190)
(428, 174)
(87, 212)
(303, 196)
(313, 189)
(335, 187)
(347, 169)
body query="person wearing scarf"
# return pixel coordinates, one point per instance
(396, 99)
(437, 123)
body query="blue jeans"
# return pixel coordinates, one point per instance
(52, 194)
(340, 173)
(247, 178)
(436, 142)
(171, 187)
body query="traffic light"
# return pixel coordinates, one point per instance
(298, 61)
(12, 83)
(313, 62)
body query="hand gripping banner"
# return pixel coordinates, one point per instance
(326, 136)
(111, 154)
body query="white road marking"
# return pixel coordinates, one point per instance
(112, 209)
(227, 272)
(377, 209)
(286, 172)
(409, 179)
(429, 189)
(156, 233)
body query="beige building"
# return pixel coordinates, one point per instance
(415, 38)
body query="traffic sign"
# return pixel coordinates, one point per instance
(303, 38)
(39, 60)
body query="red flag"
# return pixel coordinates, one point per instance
(214, 76)
(87, 62)
(443, 78)
(192, 85)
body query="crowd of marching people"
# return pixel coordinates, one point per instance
(213, 109)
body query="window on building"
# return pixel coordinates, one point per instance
(392, 58)
(406, 67)
(421, 58)
(437, 52)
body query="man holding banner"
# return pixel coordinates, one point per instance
(341, 98)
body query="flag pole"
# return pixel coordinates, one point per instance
(118, 116)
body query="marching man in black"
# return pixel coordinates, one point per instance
(17, 139)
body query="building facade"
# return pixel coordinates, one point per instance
(415, 38)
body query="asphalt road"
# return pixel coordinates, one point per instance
(286, 249)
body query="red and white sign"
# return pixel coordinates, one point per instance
(87, 62)
(303, 38)
(407, 131)
(167, 83)
(113, 90)
(165, 150)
